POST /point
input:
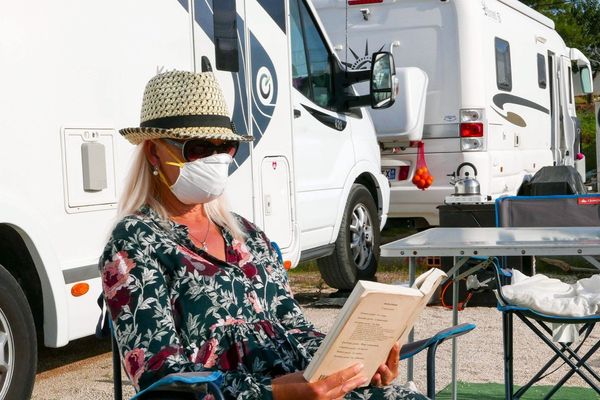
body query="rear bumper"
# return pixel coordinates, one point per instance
(408, 202)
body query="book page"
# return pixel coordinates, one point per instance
(427, 285)
(428, 281)
(377, 321)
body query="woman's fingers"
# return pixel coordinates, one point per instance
(394, 354)
(344, 381)
(348, 386)
(387, 376)
(393, 361)
(376, 380)
(336, 380)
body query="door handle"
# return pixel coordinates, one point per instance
(297, 113)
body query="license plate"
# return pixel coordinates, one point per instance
(391, 173)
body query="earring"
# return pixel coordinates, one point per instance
(154, 170)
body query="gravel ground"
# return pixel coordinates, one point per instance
(479, 360)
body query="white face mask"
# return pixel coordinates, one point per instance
(202, 180)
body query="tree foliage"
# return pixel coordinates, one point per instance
(577, 21)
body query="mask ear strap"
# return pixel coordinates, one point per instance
(163, 178)
(175, 163)
(179, 164)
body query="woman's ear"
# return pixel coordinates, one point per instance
(151, 152)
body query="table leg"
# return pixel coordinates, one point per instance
(412, 271)
(454, 322)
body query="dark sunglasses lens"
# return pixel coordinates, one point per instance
(195, 149)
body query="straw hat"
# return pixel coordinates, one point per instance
(183, 105)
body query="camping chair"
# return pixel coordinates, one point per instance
(172, 387)
(546, 211)
(210, 383)
(431, 344)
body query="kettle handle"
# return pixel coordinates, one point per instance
(465, 164)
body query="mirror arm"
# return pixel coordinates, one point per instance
(357, 101)
(356, 76)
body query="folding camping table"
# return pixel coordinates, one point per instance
(463, 243)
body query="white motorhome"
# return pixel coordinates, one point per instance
(73, 73)
(499, 91)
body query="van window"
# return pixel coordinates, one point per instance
(503, 71)
(541, 68)
(311, 67)
(570, 73)
(225, 30)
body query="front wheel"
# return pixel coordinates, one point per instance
(357, 246)
(18, 342)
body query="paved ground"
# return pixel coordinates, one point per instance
(86, 372)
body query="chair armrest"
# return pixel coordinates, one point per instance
(188, 382)
(411, 349)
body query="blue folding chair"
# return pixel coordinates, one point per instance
(565, 352)
(210, 383)
(431, 344)
(172, 387)
(546, 211)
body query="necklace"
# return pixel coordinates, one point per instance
(203, 245)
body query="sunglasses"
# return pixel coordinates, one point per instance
(195, 149)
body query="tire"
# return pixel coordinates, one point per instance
(357, 246)
(18, 341)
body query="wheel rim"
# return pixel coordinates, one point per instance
(7, 355)
(361, 229)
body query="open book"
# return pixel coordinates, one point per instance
(374, 317)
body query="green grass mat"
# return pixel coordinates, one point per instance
(495, 391)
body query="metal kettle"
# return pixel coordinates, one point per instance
(466, 186)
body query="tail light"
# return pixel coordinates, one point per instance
(472, 129)
(360, 2)
(403, 172)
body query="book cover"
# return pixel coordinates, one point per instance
(374, 317)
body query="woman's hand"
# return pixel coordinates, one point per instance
(294, 386)
(386, 373)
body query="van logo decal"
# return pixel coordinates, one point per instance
(261, 112)
(276, 10)
(504, 98)
(264, 86)
(361, 62)
(264, 91)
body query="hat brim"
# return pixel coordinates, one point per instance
(138, 135)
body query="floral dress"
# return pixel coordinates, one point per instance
(176, 308)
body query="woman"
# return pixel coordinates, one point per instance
(193, 287)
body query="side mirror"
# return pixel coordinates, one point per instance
(382, 80)
(586, 79)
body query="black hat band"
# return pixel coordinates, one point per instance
(189, 121)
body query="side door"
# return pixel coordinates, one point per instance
(555, 111)
(323, 150)
(567, 112)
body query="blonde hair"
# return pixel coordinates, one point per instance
(141, 188)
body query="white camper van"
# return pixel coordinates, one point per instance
(489, 82)
(74, 72)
